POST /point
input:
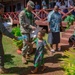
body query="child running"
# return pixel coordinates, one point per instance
(39, 55)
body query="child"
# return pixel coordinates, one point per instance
(40, 44)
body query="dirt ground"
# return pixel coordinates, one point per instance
(52, 63)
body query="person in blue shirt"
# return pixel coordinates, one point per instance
(54, 19)
(44, 5)
(37, 6)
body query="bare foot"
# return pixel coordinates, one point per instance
(24, 60)
(34, 71)
(44, 67)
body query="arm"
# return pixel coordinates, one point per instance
(5, 31)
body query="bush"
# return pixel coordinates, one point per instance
(16, 32)
(69, 62)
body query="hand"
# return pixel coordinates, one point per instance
(48, 30)
(33, 28)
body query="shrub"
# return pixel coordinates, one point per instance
(16, 31)
(69, 62)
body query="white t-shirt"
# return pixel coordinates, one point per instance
(44, 5)
(70, 3)
(66, 3)
(58, 4)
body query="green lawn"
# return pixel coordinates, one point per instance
(13, 60)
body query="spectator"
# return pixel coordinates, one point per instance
(37, 6)
(58, 3)
(66, 3)
(54, 19)
(74, 2)
(62, 7)
(44, 5)
(50, 3)
(70, 3)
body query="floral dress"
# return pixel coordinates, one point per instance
(39, 55)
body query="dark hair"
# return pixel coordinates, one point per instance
(43, 32)
(1, 6)
(56, 6)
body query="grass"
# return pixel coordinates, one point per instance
(12, 59)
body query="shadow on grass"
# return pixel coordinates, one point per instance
(54, 59)
(47, 70)
(8, 58)
(17, 70)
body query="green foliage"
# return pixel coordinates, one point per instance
(16, 31)
(69, 62)
(70, 20)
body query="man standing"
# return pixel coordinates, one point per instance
(26, 25)
(4, 31)
(54, 19)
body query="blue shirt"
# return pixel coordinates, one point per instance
(44, 4)
(37, 7)
(54, 18)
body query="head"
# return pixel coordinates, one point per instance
(56, 8)
(30, 5)
(1, 9)
(41, 34)
(36, 3)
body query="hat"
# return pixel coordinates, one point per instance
(31, 3)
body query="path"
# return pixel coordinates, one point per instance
(52, 63)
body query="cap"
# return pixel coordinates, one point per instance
(31, 3)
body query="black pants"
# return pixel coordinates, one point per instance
(1, 53)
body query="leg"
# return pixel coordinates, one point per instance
(56, 40)
(24, 52)
(2, 69)
(25, 49)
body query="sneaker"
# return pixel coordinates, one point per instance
(52, 50)
(59, 49)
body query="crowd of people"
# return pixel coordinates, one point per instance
(63, 4)
(52, 3)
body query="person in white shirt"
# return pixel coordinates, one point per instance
(66, 3)
(63, 6)
(58, 3)
(70, 3)
(44, 5)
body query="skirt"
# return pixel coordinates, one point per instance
(54, 37)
